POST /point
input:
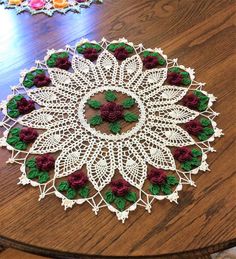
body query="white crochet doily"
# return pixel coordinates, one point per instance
(47, 6)
(66, 132)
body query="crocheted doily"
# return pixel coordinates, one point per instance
(123, 127)
(48, 6)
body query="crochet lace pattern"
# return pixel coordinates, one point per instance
(48, 6)
(123, 127)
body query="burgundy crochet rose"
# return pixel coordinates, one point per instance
(28, 135)
(63, 63)
(111, 112)
(90, 54)
(121, 53)
(157, 176)
(25, 106)
(150, 62)
(77, 179)
(174, 78)
(45, 162)
(119, 187)
(41, 80)
(194, 127)
(182, 154)
(191, 100)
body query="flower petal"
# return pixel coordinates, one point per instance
(101, 167)
(44, 118)
(130, 70)
(131, 166)
(107, 66)
(72, 158)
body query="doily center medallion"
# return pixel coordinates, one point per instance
(110, 124)
(120, 111)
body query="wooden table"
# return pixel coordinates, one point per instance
(200, 34)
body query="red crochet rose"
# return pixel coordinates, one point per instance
(174, 78)
(150, 62)
(182, 154)
(28, 135)
(121, 53)
(157, 176)
(25, 106)
(63, 63)
(119, 187)
(77, 179)
(194, 127)
(111, 112)
(90, 54)
(191, 100)
(45, 162)
(41, 80)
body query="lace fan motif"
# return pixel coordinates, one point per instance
(111, 124)
(48, 6)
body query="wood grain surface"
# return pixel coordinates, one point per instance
(201, 33)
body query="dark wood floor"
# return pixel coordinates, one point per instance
(201, 34)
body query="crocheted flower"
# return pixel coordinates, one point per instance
(157, 176)
(90, 54)
(45, 162)
(191, 101)
(119, 187)
(111, 112)
(28, 135)
(150, 62)
(77, 179)
(63, 63)
(121, 53)
(25, 106)
(174, 78)
(183, 154)
(41, 80)
(37, 4)
(194, 127)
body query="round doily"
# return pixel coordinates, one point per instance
(48, 6)
(109, 123)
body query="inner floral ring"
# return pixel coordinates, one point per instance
(95, 132)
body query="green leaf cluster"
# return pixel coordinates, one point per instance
(113, 46)
(110, 96)
(29, 77)
(120, 202)
(94, 104)
(194, 162)
(165, 188)
(71, 193)
(128, 103)
(95, 120)
(12, 109)
(204, 100)
(51, 62)
(81, 48)
(161, 60)
(115, 127)
(130, 117)
(13, 139)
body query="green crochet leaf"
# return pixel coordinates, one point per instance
(31, 163)
(120, 203)
(18, 97)
(205, 122)
(112, 47)
(29, 76)
(28, 83)
(15, 131)
(195, 162)
(20, 145)
(71, 193)
(154, 189)
(196, 152)
(184, 74)
(166, 189)
(172, 180)
(109, 197)
(14, 113)
(149, 53)
(128, 103)
(80, 49)
(203, 136)
(39, 71)
(115, 127)
(51, 62)
(63, 55)
(161, 61)
(186, 166)
(43, 177)
(186, 81)
(84, 192)
(174, 69)
(110, 96)
(63, 186)
(131, 196)
(202, 106)
(33, 173)
(130, 117)
(13, 140)
(94, 104)
(95, 120)
(208, 131)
